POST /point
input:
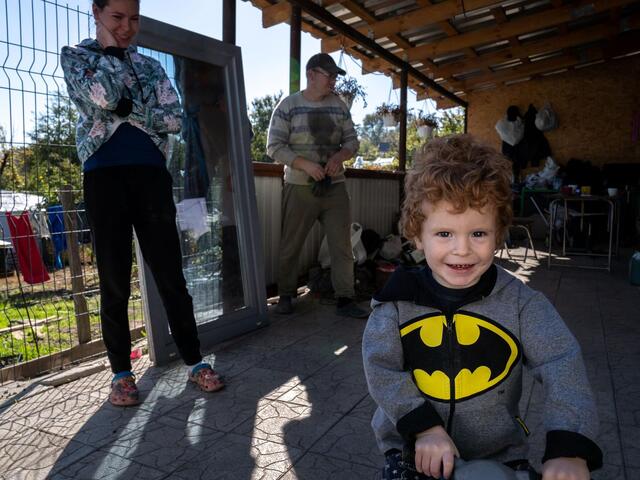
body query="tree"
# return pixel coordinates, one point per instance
(452, 122)
(50, 161)
(260, 116)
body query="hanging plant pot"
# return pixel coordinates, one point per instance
(348, 100)
(425, 131)
(389, 120)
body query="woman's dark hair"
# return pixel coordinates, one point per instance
(103, 3)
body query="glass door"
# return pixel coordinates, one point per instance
(213, 191)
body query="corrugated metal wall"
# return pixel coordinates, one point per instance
(374, 204)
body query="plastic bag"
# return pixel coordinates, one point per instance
(510, 132)
(391, 248)
(543, 178)
(359, 252)
(546, 118)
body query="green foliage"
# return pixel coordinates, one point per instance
(260, 116)
(451, 122)
(349, 90)
(387, 108)
(51, 161)
(424, 118)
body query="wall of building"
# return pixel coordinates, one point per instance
(595, 106)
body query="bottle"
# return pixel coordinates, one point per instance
(634, 269)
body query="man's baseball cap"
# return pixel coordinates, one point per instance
(325, 62)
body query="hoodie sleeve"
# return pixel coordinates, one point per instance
(100, 85)
(163, 112)
(391, 386)
(554, 357)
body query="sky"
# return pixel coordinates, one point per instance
(265, 52)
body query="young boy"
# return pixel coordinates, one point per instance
(445, 345)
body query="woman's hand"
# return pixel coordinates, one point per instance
(564, 468)
(104, 36)
(435, 452)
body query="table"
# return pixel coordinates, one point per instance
(582, 215)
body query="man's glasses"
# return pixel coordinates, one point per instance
(333, 76)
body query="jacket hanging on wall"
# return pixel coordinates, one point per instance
(534, 145)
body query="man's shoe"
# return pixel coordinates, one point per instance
(284, 307)
(352, 310)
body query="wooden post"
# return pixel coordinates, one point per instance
(229, 21)
(77, 282)
(402, 140)
(294, 49)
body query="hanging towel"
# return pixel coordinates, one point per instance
(56, 227)
(24, 243)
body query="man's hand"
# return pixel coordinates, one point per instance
(313, 169)
(435, 452)
(564, 468)
(104, 36)
(334, 165)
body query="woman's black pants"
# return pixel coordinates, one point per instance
(119, 199)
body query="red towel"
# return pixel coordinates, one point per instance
(24, 242)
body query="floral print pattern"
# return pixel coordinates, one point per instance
(97, 82)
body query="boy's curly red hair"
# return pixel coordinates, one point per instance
(462, 171)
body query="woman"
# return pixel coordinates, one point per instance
(127, 107)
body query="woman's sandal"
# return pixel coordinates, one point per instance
(124, 392)
(207, 379)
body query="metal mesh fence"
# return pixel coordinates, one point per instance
(49, 289)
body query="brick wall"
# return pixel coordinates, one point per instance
(594, 105)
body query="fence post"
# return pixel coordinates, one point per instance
(77, 282)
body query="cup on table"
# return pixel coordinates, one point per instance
(574, 189)
(586, 190)
(612, 192)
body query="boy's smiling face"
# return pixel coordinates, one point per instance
(459, 247)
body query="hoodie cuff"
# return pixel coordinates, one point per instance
(115, 52)
(562, 443)
(417, 421)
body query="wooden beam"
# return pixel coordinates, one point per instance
(622, 45)
(276, 14)
(519, 26)
(330, 20)
(558, 42)
(422, 17)
(364, 14)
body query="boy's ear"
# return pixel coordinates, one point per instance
(417, 243)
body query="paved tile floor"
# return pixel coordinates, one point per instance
(296, 405)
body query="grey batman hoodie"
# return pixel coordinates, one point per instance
(414, 343)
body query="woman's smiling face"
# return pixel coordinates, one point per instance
(121, 18)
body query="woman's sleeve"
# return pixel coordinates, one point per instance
(163, 112)
(101, 85)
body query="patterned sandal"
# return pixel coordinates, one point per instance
(124, 391)
(207, 379)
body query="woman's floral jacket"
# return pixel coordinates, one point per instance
(97, 85)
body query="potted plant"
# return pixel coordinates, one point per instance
(425, 123)
(390, 114)
(348, 89)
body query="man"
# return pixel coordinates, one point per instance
(312, 134)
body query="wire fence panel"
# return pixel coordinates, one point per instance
(49, 289)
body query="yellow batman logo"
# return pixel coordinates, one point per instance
(479, 355)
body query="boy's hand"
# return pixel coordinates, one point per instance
(435, 452)
(564, 468)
